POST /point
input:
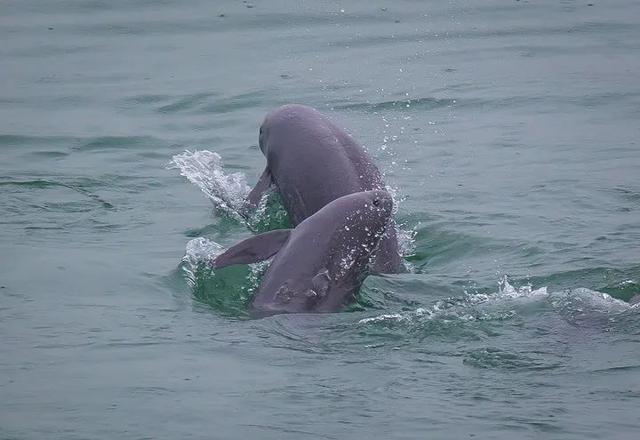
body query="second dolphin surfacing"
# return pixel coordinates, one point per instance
(320, 265)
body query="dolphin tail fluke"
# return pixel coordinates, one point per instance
(252, 250)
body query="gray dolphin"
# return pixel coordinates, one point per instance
(313, 162)
(319, 266)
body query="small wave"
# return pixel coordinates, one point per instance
(576, 306)
(187, 102)
(205, 170)
(467, 308)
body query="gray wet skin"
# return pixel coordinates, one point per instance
(313, 162)
(319, 266)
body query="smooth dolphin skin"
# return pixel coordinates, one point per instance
(313, 162)
(320, 265)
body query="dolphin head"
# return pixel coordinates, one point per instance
(365, 211)
(282, 120)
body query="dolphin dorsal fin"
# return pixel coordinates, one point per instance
(253, 249)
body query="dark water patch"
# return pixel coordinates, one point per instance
(53, 50)
(131, 184)
(627, 194)
(50, 154)
(421, 37)
(43, 184)
(186, 103)
(6, 100)
(556, 102)
(618, 369)
(413, 104)
(138, 25)
(234, 103)
(205, 103)
(547, 102)
(522, 50)
(605, 99)
(22, 141)
(118, 143)
(496, 358)
(135, 101)
(155, 155)
(145, 103)
(154, 390)
(90, 6)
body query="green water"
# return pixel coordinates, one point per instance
(509, 130)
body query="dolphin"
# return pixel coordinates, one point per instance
(313, 162)
(320, 265)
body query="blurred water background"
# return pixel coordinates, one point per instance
(509, 130)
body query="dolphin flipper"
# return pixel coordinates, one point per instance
(252, 250)
(258, 191)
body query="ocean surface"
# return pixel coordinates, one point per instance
(508, 130)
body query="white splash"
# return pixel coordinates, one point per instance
(406, 240)
(405, 237)
(385, 317)
(204, 169)
(507, 292)
(198, 253)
